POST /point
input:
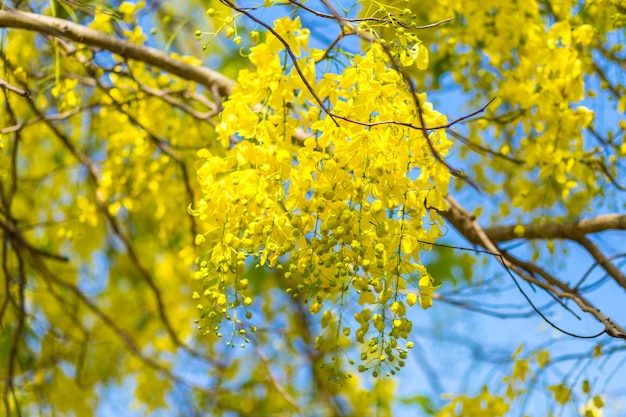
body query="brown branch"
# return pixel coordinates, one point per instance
(165, 96)
(467, 225)
(603, 261)
(78, 33)
(276, 384)
(564, 291)
(574, 231)
(602, 167)
(14, 89)
(613, 89)
(16, 237)
(17, 334)
(53, 117)
(567, 230)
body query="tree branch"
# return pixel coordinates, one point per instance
(567, 230)
(78, 33)
(14, 89)
(467, 225)
(603, 261)
(574, 231)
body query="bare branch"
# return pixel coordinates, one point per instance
(14, 89)
(603, 261)
(566, 230)
(467, 225)
(16, 237)
(282, 391)
(78, 33)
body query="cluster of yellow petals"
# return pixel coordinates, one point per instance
(341, 208)
(544, 81)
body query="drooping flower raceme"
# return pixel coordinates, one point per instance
(342, 208)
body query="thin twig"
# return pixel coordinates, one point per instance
(14, 89)
(276, 384)
(602, 260)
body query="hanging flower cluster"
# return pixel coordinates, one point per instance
(342, 207)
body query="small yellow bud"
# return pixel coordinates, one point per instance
(315, 307)
(411, 299)
(598, 401)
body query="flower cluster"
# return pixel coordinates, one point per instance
(341, 204)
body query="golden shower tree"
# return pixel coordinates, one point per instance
(181, 180)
